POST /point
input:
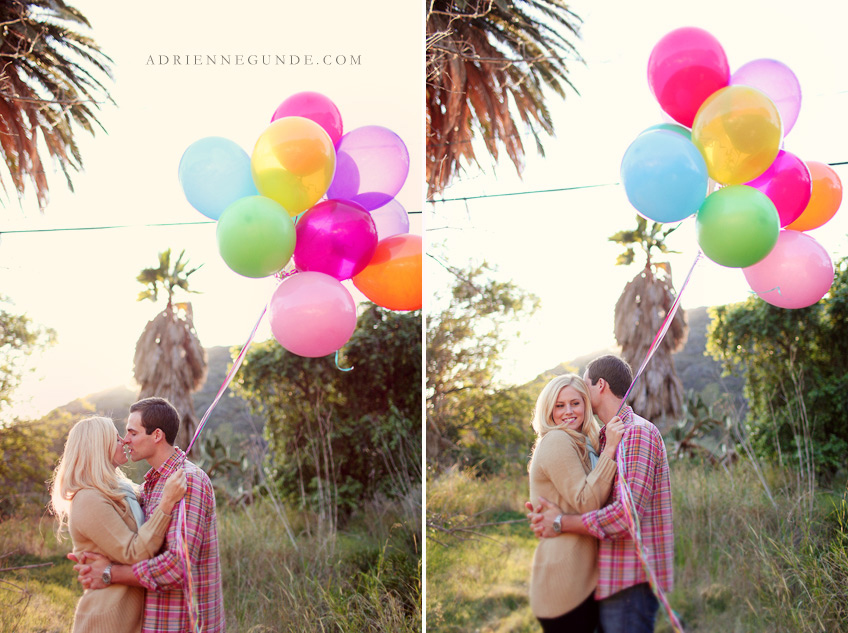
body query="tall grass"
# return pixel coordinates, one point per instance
(742, 561)
(363, 578)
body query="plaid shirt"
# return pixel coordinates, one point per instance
(646, 467)
(165, 607)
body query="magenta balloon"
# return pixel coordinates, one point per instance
(787, 183)
(391, 219)
(316, 107)
(372, 163)
(795, 274)
(779, 84)
(312, 314)
(336, 237)
(685, 67)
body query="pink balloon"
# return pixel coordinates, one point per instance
(795, 274)
(316, 107)
(787, 183)
(312, 314)
(779, 84)
(391, 219)
(685, 67)
(336, 237)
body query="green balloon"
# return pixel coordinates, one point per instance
(737, 226)
(256, 236)
(671, 127)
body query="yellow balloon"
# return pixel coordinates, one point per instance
(293, 163)
(738, 132)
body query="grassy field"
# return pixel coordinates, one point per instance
(365, 578)
(748, 556)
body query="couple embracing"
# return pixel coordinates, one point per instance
(129, 545)
(586, 574)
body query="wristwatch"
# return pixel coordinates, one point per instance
(558, 524)
(107, 575)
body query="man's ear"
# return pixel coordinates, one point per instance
(601, 384)
(158, 435)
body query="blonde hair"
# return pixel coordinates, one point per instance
(86, 463)
(543, 421)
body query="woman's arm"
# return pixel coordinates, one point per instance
(563, 467)
(94, 516)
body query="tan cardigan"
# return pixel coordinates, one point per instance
(565, 569)
(98, 525)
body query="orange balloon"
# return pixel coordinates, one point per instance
(824, 201)
(393, 278)
(293, 163)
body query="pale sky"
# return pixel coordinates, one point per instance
(555, 244)
(82, 283)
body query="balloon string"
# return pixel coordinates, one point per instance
(760, 293)
(228, 379)
(182, 527)
(663, 329)
(339, 366)
(624, 487)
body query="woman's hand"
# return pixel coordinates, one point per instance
(175, 489)
(614, 431)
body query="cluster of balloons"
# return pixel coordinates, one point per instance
(320, 201)
(723, 161)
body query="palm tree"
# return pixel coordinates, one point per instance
(639, 314)
(487, 64)
(169, 360)
(50, 83)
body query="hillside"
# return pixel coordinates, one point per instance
(230, 416)
(697, 371)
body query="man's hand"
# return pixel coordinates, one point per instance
(542, 517)
(90, 569)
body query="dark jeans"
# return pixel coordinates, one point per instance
(632, 610)
(581, 619)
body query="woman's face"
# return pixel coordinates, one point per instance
(119, 457)
(569, 409)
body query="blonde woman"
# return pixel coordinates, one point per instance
(566, 469)
(97, 502)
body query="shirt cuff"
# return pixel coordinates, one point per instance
(590, 522)
(142, 575)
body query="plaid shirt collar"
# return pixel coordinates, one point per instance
(173, 462)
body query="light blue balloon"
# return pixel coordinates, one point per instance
(664, 176)
(215, 172)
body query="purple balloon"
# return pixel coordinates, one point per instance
(779, 84)
(372, 163)
(335, 237)
(787, 183)
(391, 219)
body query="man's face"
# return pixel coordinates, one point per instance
(594, 392)
(139, 444)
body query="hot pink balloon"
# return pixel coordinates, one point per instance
(795, 274)
(312, 314)
(685, 67)
(787, 183)
(391, 219)
(316, 107)
(779, 84)
(372, 163)
(336, 237)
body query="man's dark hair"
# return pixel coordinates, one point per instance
(614, 370)
(158, 413)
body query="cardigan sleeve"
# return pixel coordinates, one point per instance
(561, 464)
(98, 520)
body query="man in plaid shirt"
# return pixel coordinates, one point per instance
(151, 431)
(625, 597)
